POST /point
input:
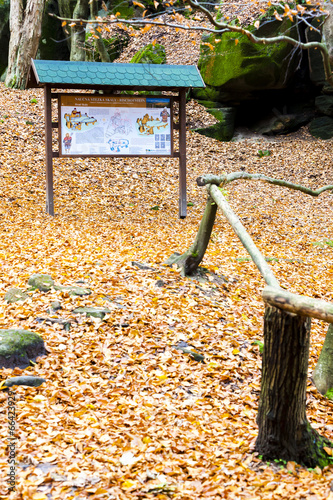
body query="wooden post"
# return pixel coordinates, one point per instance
(182, 154)
(284, 431)
(48, 150)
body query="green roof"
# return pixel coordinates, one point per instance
(77, 74)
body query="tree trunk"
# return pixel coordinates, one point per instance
(78, 32)
(284, 431)
(189, 261)
(103, 53)
(25, 30)
(323, 373)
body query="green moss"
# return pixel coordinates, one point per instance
(239, 65)
(14, 341)
(329, 394)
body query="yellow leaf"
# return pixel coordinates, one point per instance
(139, 4)
(236, 41)
(329, 451)
(128, 483)
(72, 24)
(277, 16)
(153, 43)
(39, 496)
(291, 467)
(63, 23)
(146, 440)
(235, 351)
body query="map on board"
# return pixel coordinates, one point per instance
(97, 125)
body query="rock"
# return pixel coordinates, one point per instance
(322, 127)
(95, 312)
(19, 347)
(73, 290)
(66, 324)
(150, 54)
(27, 380)
(56, 305)
(42, 282)
(15, 295)
(187, 349)
(327, 36)
(316, 65)
(4, 34)
(324, 104)
(277, 124)
(159, 283)
(224, 130)
(142, 265)
(244, 67)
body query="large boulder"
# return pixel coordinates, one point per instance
(224, 129)
(19, 347)
(150, 54)
(324, 104)
(239, 67)
(322, 127)
(4, 34)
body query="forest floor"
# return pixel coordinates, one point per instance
(123, 414)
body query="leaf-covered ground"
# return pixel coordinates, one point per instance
(124, 415)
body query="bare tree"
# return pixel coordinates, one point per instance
(25, 30)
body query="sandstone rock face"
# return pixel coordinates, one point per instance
(238, 67)
(328, 30)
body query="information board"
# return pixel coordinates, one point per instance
(114, 125)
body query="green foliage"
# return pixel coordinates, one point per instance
(323, 243)
(156, 207)
(329, 394)
(265, 152)
(260, 344)
(33, 100)
(150, 54)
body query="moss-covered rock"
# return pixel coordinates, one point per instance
(239, 66)
(95, 312)
(15, 295)
(224, 130)
(150, 54)
(19, 347)
(322, 127)
(42, 282)
(324, 104)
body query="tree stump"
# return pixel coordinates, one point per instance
(284, 431)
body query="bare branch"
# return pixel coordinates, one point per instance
(298, 304)
(244, 236)
(227, 178)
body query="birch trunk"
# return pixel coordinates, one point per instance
(25, 30)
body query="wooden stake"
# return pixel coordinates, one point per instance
(48, 150)
(182, 154)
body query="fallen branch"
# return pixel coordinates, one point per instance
(298, 304)
(244, 236)
(227, 178)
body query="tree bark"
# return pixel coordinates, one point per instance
(78, 32)
(284, 431)
(323, 373)
(298, 304)
(189, 261)
(98, 41)
(25, 30)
